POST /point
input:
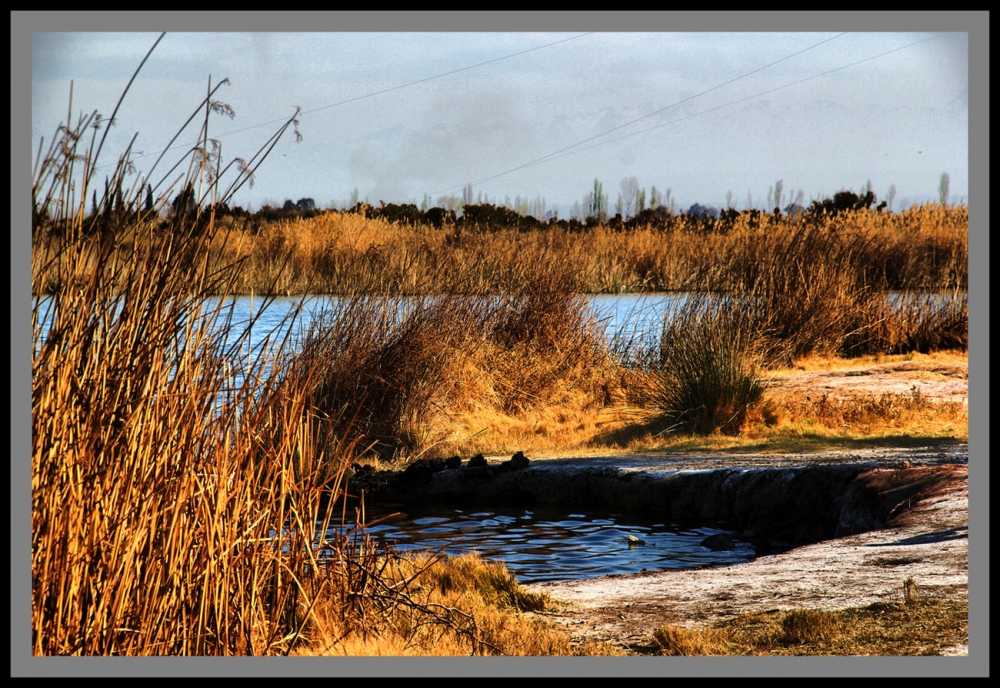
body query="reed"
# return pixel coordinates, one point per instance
(922, 248)
(403, 369)
(187, 492)
(705, 372)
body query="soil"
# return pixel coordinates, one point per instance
(926, 542)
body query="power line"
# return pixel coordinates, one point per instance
(735, 102)
(664, 109)
(568, 150)
(387, 90)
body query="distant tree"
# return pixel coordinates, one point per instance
(630, 193)
(304, 205)
(943, 188)
(793, 210)
(892, 195)
(439, 217)
(699, 210)
(149, 198)
(778, 188)
(184, 201)
(599, 202)
(467, 194)
(668, 201)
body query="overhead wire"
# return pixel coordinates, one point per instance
(569, 150)
(383, 91)
(735, 102)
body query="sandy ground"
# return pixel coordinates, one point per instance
(936, 380)
(928, 543)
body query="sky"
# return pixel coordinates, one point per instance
(717, 118)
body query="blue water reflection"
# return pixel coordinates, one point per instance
(543, 546)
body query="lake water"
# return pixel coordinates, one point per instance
(632, 318)
(542, 546)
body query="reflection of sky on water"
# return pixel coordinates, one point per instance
(539, 546)
(629, 316)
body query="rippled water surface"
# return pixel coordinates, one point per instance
(543, 546)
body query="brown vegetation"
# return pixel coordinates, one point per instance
(923, 248)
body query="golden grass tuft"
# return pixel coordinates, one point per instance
(482, 601)
(680, 641)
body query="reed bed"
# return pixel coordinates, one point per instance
(188, 493)
(403, 370)
(923, 248)
(790, 292)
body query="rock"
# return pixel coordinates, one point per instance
(453, 462)
(477, 461)
(516, 463)
(420, 471)
(718, 542)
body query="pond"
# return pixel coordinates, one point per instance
(539, 546)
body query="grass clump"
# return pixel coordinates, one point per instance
(493, 582)
(458, 606)
(679, 641)
(707, 375)
(405, 371)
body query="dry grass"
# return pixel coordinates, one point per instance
(186, 500)
(908, 628)
(182, 503)
(867, 416)
(482, 601)
(924, 248)
(414, 375)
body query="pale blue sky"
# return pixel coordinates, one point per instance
(720, 115)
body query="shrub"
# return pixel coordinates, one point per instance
(707, 375)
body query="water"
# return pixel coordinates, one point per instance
(628, 317)
(540, 546)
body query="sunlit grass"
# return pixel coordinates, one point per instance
(486, 607)
(917, 627)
